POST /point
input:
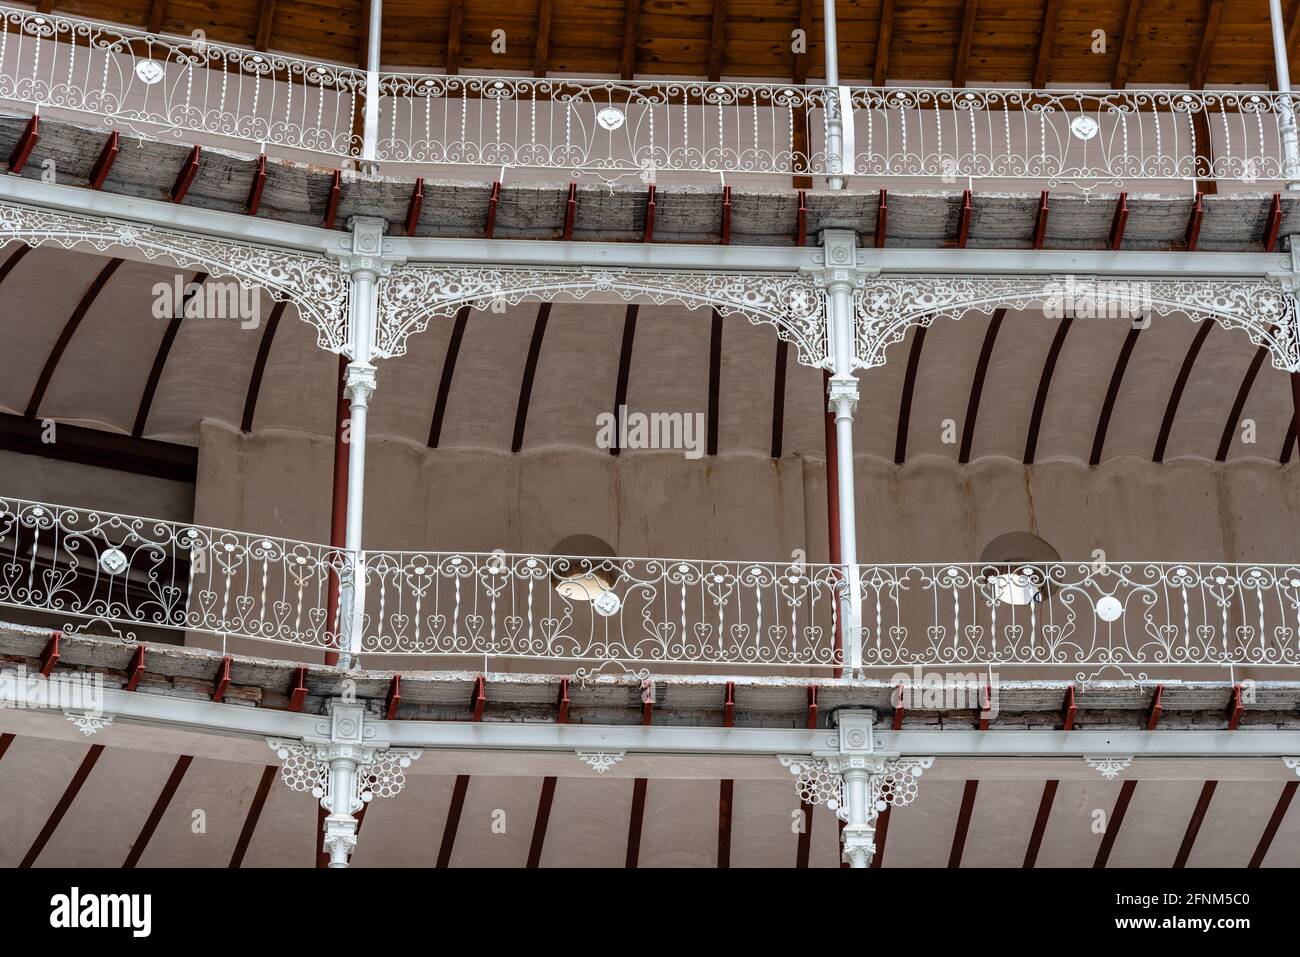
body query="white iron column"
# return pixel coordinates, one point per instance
(370, 133)
(366, 264)
(834, 112)
(840, 278)
(1287, 122)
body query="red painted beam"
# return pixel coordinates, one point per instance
(729, 707)
(562, 704)
(1120, 221)
(882, 218)
(540, 822)
(298, 690)
(801, 226)
(649, 214)
(69, 795)
(478, 699)
(1194, 824)
(159, 808)
(899, 710)
(394, 698)
(1274, 822)
(1068, 710)
(332, 204)
(726, 215)
(26, 143)
(490, 227)
(1194, 224)
(50, 656)
(986, 705)
(1273, 224)
(223, 679)
(1234, 708)
(647, 701)
(963, 824)
(186, 176)
(1040, 824)
(1113, 824)
(570, 211)
(634, 824)
(104, 165)
(1040, 225)
(1156, 707)
(259, 184)
(137, 669)
(812, 707)
(963, 221)
(414, 207)
(453, 820)
(726, 794)
(254, 812)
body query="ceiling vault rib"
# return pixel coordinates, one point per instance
(530, 372)
(715, 380)
(61, 808)
(540, 823)
(159, 808)
(453, 820)
(635, 820)
(259, 366)
(778, 397)
(909, 389)
(1194, 824)
(1176, 395)
(65, 337)
(254, 813)
(5, 741)
(192, 289)
(1113, 823)
(1239, 403)
(1295, 418)
(977, 385)
(1044, 386)
(1040, 824)
(1274, 822)
(1112, 394)
(624, 371)
(14, 259)
(963, 823)
(444, 380)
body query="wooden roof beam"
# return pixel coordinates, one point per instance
(969, 9)
(156, 10)
(1046, 35)
(1206, 54)
(631, 26)
(799, 71)
(717, 40)
(1129, 29)
(880, 65)
(265, 24)
(455, 36)
(543, 37)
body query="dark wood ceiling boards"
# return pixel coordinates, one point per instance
(1160, 42)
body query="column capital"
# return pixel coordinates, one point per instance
(835, 264)
(842, 396)
(364, 250)
(359, 382)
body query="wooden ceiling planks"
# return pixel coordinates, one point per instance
(925, 40)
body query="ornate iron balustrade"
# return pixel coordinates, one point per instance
(604, 611)
(1122, 616)
(143, 572)
(1086, 138)
(160, 86)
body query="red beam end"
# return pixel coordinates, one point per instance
(562, 704)
(186, 176)
(1235, 708)
(963, 222)
(899, 710)
(812, 707)
(801, 228)
(1194, 224)
(647, 701)
(107, 156)
(726, 215)
(1040, 224)
(1273, 224)
(729, 709)
(882, 218)
(1156, 708)
(1119, 222)
(490, 227)
(26, 143)
(650, 214)
(223, 679)
(298, 690)
(414, 206)
(570, 211)
(332, 206)
(394, 698)
(986, 705)
(1068, 710)
(478, 698)
(137, 669)
(50, 656)
(259, 183)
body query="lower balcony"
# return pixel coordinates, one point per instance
(82, 570)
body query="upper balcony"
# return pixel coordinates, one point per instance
(192, 90)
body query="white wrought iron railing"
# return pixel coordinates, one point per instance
(170, 87)
(1079, 621)
(182, 88)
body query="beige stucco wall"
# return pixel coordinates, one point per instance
(750, 507)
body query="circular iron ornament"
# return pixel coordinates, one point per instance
(1084, 127)
(607, 604)
(1109, 608)
(610, 119)
(113, 561)
(149, 72)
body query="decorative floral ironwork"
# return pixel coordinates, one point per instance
(890, 781)
(1110, 767)
(305, 767)
(316, 285)
(89, 722)
(600, 761)
(409, 296)
(887, 306)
